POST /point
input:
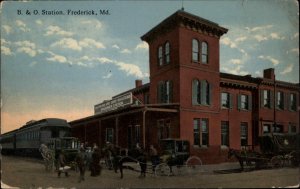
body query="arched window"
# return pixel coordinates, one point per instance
(160, 55)
(195, 50)
(204, 52)
(167, 53)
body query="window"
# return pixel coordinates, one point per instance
(201, 92)
(292, 128)
(266, 98)
(224, 133)
(293, 106)
(266, 128)
(165, 91)
(226, 100)
(244, 102)
(110, 135)
(167, 53)
(137, 133)
(160, 56)
(280, 100)
(244, 134)
(164, 128)
(277, 128)
(201, 132)
(195, 50)
(204, 52)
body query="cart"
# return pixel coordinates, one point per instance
(276, 150)
(176, 159)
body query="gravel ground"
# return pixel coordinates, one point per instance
(30, 173)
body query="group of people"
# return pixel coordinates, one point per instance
(89, 158)
(85, 159)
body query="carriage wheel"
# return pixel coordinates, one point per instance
(276, 161)
(162, 169)
(193, 164)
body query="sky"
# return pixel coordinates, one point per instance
(62, 65)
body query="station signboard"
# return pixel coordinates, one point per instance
(114, 103)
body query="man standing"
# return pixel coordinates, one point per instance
(154, 157)
(81, 160)
(62, 164)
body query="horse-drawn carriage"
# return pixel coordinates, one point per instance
(176, 159)
(276, 150)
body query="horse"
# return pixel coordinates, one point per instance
(136, 156)
(248, 157)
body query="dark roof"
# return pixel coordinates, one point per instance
(189, 19)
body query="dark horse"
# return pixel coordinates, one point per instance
(248, 157)
(121, 156)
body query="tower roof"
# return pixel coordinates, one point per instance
(188, 20)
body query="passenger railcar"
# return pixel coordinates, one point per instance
(26, 140)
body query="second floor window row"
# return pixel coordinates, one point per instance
(282, 100)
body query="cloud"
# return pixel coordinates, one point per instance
(235, 61)
(94, 23)
(87, 42)
(57, 58)
(269, 58)
(56, 30)
(276, 36)
(125, 51)
(296, 35)
(295, 50)
(259, 28)
(115, 46)
(22, 26)
(240, 39)
(26, 47)
(6, 51)
(236, 70)
(7, 29)
(107, 76)
(68, 43)
(130, 69)
(104, 60)
(260, 38)
(228, 42)
(142, 46)
(288, 69)
(39, 22)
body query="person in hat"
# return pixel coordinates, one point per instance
(81, 160)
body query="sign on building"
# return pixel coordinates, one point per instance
(114, 103)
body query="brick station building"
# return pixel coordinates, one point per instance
(189, 98)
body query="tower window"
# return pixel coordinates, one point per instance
(201, 92)
(160, 56)
(167, 53)
(195, 49)
(204, 52)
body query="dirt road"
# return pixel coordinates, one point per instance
(28, 173)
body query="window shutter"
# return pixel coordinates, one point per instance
(221, 100)
(249, 102)
(284, 101)
(271, 99)
(239, 102)
(203, 91)
(195, 91)
(210, 88)
(230, 100)
(170, 91)
(261, 98)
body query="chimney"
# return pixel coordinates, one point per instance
(269, 73)
(138, 83)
